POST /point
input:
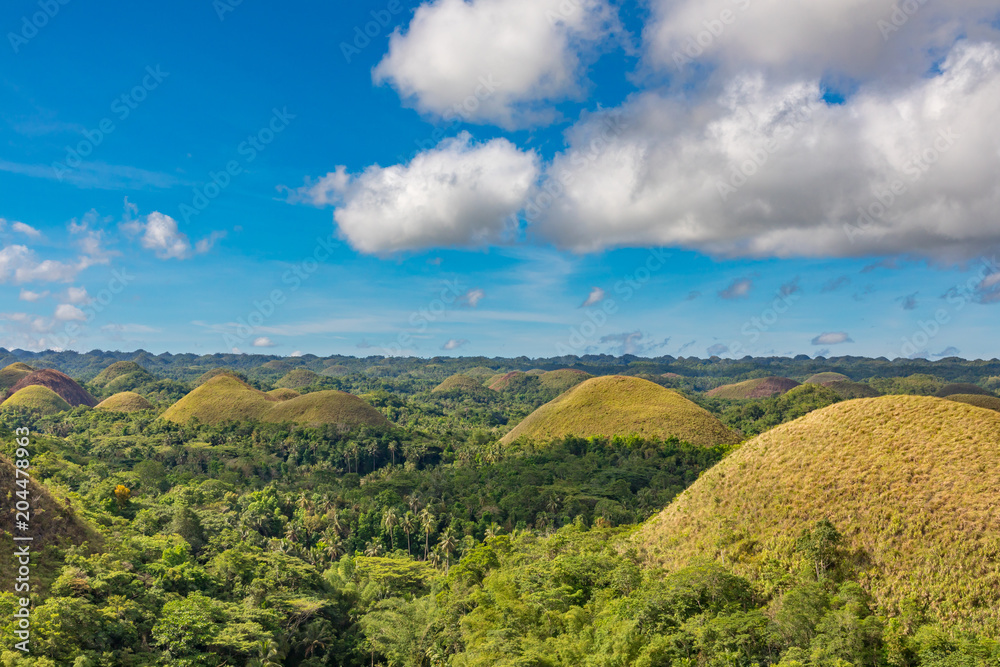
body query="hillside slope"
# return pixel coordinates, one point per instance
(759, 388)
(913, 483)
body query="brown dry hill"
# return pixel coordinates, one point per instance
(618, 405)
(58, 382)
(505, 381)
(10, 375)
(126, 401)
(760, 388)
(910, 481)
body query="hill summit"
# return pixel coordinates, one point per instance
(618, 405)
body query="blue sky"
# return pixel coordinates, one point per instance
(500, 177)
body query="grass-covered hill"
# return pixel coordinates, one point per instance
(847, 389)
(37, 398)
(515, 381)
(216, 372)
(223, 398)
(125, 401)
(60, 383)
(618, 405)
(122, 376)
(978, 400)
(12, 374)
(227, 399)
(297, 378)
(283, 394)
(326, 407)
(827, 377)
(759, 388)
(965, 388)
(563, 379)
(460, 384)
(911, 483)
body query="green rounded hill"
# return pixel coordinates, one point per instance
(460, 384)
(297, 379)
(283, 394)
(978, 400)
(962, 388)
(37, 397)
(563, 379)
(60, 383)
(126, 401)
(848, 389)
(515, 381)
(121, 372)
(326, 407)
(223, 398)
(827, 377)
(11, 375)
(227, 399)
(759, 388)
(910, 482)
(217, 372)
(618, 405)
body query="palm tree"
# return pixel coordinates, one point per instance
(393, 447)
(447, 544)
(492, 530)
(428, 522)
(409, 524)
(268, 654)
(373, 549)
(389, 521)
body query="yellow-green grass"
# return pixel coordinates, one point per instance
(759, 388)
(501, 382)
(283, 394)
(617, 405)
(978, 400)
(910, 481)
(11, 375)
(326, 407)
(847, 389)
(297, 379)
(121, 369)
(279, 365)
(824, 378)
(126, 401)
(536, 371)
(37, 397)
(962, 388)
(460, 383)
(336, 370)
(223, 398)
(227, 399)
(563, 379)
(60, 383)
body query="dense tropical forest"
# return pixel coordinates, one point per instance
(465, 512)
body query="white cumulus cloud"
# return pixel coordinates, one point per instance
(832, 338)
(263, 341)
(495, 61)
(69, 312)
(457, 194)
(769, 169)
